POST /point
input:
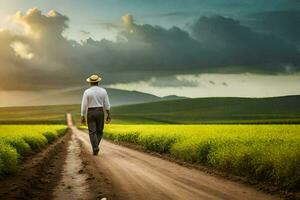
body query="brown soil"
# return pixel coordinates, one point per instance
(80, 178)
(100, 183)
(39, 173)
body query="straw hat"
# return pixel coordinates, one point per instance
(93, 79)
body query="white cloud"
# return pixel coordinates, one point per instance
(22, 50)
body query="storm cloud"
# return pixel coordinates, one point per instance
(41, 57)
(240, 46)
(284, 24)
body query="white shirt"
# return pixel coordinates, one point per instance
(94, 96)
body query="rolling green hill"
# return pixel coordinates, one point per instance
(186, 111)
(117, 97)
(216, 110)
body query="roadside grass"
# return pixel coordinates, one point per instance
(17, 141)
(267, 153)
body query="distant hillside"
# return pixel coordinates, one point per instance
(172, 97)
(216, 110)
(184, 111)
(117, 97)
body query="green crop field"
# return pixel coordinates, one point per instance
(260, 152)
(17, 141)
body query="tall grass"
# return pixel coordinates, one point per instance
(260, 152)
(17, 141)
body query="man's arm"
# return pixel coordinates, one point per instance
(83, 108)
(107, 108)
(108, 118)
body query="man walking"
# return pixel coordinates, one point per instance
(94, 102)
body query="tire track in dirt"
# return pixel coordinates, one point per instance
(79, 180)
(73, 184)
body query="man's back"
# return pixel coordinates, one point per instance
(94, 96)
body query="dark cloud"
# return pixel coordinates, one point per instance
(284, 24)
(212, 82)
(224, 84)
(239, 45)
(44, 58)
(293, 2)
(109, 25)
(175, 14)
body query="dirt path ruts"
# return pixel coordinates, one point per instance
(78, 178)
(38, 175)
(137, 175)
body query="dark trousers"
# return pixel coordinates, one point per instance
(95, 121)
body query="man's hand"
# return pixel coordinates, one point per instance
(83, 120)
(108, 119)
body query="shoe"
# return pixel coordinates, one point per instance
(95, 152)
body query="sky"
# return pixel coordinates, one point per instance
(245, 48)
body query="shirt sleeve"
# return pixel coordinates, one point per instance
(106, 102)
(84, 105)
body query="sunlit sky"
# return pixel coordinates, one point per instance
(217, 48)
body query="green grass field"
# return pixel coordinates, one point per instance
(37, 114)
(261, 152)
(213, 111)
(184, 111)
(17, 141)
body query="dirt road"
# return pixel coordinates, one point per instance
(137, 175)
(68, 170)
